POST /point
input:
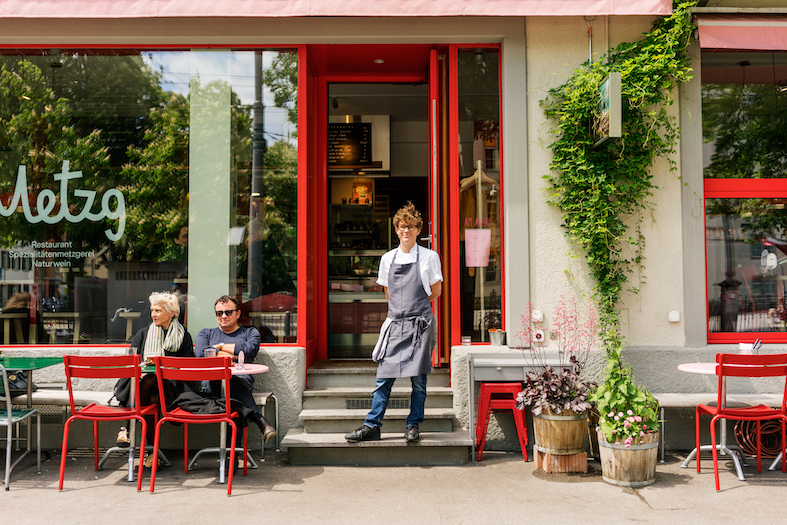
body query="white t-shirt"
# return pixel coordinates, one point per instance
(431, 271)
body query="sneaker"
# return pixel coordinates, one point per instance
(123, 440)
(412, 435)
(363, 433)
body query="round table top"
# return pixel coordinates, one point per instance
(249, 368)
(698, 368)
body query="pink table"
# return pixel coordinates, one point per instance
(722, 447)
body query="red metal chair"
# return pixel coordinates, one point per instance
(499, 396)
(741, 365)
(196, 369)
(105, 367)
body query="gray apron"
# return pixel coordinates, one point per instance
(412, 333)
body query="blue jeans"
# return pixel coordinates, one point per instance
(381, 394)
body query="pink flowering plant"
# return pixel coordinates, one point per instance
(627, 411)
(560, 388)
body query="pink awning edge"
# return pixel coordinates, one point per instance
(298, 8)
(755, 33)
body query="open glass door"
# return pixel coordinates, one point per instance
(438, 189)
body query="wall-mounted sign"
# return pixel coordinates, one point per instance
(609, 116)
(349, 144)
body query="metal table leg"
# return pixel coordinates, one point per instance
(776, 462)
(222, 451)
(726, 450)
(131, 450)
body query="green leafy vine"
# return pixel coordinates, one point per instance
(601, 191)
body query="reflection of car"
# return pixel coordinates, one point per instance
(53, 304)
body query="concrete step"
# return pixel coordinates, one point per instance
(360, 373)
(361, 397)
(344, 420)
(435, 448)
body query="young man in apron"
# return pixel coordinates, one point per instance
(412, 278)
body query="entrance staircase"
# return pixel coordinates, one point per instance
(336, 402)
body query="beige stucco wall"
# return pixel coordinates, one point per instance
(555, 47)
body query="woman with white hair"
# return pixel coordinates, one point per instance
(164, 336)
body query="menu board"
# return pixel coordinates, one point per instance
(349, 144)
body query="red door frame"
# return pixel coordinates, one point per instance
(312, 153)
(315, 115)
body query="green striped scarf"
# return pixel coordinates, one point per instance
(159, 342)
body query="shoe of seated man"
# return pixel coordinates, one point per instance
(363, 433)
(123, 440)
(412, 434)
(268, 430)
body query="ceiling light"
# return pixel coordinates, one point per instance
(379, 61)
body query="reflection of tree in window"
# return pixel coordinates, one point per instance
(38, 132)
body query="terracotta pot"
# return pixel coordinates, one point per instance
(560, 434)
(634, 466)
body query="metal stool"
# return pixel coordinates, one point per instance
(499, 396)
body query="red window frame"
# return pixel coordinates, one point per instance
(453, 184)
(742, 189)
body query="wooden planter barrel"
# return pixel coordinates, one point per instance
(634, 466)
(560, 434)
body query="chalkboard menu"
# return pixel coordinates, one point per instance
(350, 144)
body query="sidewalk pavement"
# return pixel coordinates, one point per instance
(500, 489)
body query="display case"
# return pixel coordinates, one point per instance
(357, 303)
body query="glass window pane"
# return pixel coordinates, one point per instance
(479, 191)
(265, 166)
(743, 115)
(98, 188)
(747, 252)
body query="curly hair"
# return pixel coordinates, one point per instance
(409, 215)
(166, 300)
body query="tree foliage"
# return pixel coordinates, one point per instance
(39, 133)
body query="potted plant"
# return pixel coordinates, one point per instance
(556, 391)
(628, 434)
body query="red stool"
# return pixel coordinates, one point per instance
(499, 396)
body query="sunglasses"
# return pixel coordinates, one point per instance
(228, 313)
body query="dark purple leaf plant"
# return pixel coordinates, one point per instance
(560, 388)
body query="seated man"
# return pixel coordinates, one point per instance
(229, 339)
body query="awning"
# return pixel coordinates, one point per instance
(299, 8)
(754, 33)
